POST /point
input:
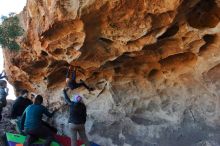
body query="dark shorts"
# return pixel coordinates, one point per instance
(41, 132)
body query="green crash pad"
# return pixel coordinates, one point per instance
(14, 139)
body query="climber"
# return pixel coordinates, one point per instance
(77, 118)
(3, 75)
(71, 80)
(32, 122)
(3, 95)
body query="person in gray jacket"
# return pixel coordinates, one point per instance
(3, 95)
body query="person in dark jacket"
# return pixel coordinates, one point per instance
(18, 108)
(77, 118)
(3, 95)
(71, 80)
(32, 119)
(20, 105)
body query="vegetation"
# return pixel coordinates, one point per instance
(10, 30)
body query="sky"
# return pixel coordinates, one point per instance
(7, 6)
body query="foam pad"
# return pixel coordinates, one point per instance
(18, 140)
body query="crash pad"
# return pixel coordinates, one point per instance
(18, 140)
(64, 140)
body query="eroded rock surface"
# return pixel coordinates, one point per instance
(154, 65)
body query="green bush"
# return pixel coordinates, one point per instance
(9, 31)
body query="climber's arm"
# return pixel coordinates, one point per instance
(68, 72)
(47, 113)
(66, 97)
(74, 74)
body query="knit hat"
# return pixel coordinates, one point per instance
(77, 98)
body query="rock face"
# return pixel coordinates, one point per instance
(154, 64)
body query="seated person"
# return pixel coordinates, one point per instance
(18, 108)
(20, 104)
(32, 122)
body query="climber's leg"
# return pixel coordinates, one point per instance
(29, 140)
(82, 134)
(82, 83)
(74, 85)
(74, 75)
(73, 131)
(51, 128)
